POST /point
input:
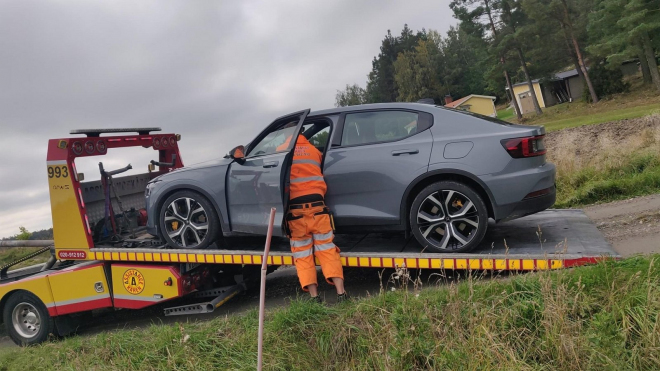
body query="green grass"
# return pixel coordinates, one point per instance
(601, 317)
(637, 175)
(10, 254)
(590, 118)
(505, 113)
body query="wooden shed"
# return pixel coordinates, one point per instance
(481, 104)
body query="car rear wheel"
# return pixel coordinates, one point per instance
(448, 216)
(188, 221)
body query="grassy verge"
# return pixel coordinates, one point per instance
(10, 254)
(606, 162)
(638, 102)
(598, 317)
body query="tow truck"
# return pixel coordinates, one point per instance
(102, 257)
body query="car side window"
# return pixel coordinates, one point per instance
(374, 127)
(276, 141)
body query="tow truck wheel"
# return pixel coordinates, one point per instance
(188, 221)
(26, 319)
(448, 217)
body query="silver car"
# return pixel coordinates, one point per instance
(436, 172)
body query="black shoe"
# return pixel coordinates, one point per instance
(316, 299)
(343, 297)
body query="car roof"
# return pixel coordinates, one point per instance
(411, 106)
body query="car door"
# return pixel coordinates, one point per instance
(258, 182)
(374, 156)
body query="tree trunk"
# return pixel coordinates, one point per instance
(650, 58)
(578, 52)
(503, 62)
(530, 84)
(644, 64)
(574, 58)
(513, 94)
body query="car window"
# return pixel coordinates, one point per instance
(320, 139)
(275, 141)
(374, 127)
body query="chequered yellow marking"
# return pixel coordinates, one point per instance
(183, 258)
(165, 257)
(107, 256)
(475, 264)
(123, 256)
(343, 261)
(149, 257)
(557, 264)
(528, 264)
(91, 256)
(388, 263)
(514, 264)
(210, 258)
(424, 263)
(257, 259)
(461, 263)
(140, 257)
(115, 256)
(364, 262)
(500, 263)
(131, 256)
(352, 262)
(399, 262)
(542, 264)
(411, 263)
(277, 260)
(247, 259)
(436, 263)
(191, 258)
(448, 263)
(487, 263)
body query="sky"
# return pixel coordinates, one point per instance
(216, 72)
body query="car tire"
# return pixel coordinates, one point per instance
(452, 207)
(187, 220)
(27, 319)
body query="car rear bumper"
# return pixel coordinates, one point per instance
(530, 205)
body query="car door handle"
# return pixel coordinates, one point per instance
(271, 164)
(405, 152)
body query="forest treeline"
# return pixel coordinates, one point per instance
(498, 43)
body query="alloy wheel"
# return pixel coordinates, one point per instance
(26, 320)
(186, 222)
(448, 219)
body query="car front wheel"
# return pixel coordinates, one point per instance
(448, 216)
(188, 221)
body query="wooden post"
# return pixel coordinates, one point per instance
(262, 293)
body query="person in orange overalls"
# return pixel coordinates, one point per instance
(308, 219)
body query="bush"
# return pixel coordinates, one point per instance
(606, 81)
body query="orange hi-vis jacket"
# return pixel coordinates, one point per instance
(306, 175)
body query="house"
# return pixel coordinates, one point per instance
(563, 87)
(481, 104)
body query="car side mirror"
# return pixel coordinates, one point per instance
(238, 153)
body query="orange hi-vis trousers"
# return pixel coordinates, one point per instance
(311, 235)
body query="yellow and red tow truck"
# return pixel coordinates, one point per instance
(102, 258)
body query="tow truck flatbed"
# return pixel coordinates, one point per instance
(547, 240)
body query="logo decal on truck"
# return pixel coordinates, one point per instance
(133, 281)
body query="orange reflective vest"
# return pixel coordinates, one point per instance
(306, 175)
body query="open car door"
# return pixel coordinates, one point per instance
(261, 180)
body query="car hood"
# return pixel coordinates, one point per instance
(222, 162)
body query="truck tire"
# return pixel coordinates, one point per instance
(448, 216)
(187, 220)
(26, 319)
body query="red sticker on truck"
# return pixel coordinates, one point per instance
(71, 254)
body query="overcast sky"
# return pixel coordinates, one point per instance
(216, 72)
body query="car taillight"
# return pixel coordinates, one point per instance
(525, 147)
